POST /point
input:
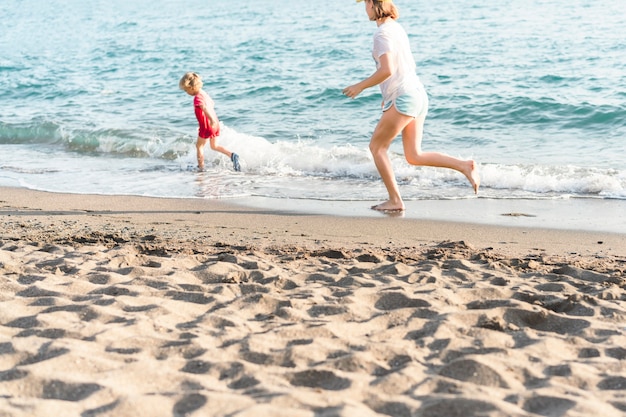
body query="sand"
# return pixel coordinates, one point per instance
(130, 306)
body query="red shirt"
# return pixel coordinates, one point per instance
(204, 131)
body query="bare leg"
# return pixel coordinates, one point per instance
(200, 152)
(390, 125)
(218, 148)
(412, 142)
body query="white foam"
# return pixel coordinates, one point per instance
(289, 169)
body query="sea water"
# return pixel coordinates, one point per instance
(534, 91)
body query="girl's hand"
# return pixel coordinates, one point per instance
(352, 91)
(385, 71)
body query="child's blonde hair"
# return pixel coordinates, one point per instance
(190, 81)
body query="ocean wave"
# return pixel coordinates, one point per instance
(498, 111)
(282, 161)
(298, 163)
(569, 180)
(38, 132)
(127, 143)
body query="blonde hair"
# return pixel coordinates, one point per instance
(385, 8)
(190, 81)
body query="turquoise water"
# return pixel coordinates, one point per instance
(534, 91)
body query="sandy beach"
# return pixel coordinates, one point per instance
(131, 306)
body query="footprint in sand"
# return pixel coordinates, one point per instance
(469, 370)
(59, 390)
(319, 379)
(544, 321)
(548, 406)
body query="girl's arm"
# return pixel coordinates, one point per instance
(210, 114)
(383, 72)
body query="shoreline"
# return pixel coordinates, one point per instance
(315, 225)
(130, 306)
(575, 214)
(235, 221)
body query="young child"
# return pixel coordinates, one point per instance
(209, 124)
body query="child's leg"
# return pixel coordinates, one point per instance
(233, 156)
(200, 151)
(218, 148)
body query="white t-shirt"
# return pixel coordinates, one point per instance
(391, 37)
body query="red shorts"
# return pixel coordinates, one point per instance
(205, 132)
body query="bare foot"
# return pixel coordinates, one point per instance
(389, 207)
(472, 175)
(200, 162)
